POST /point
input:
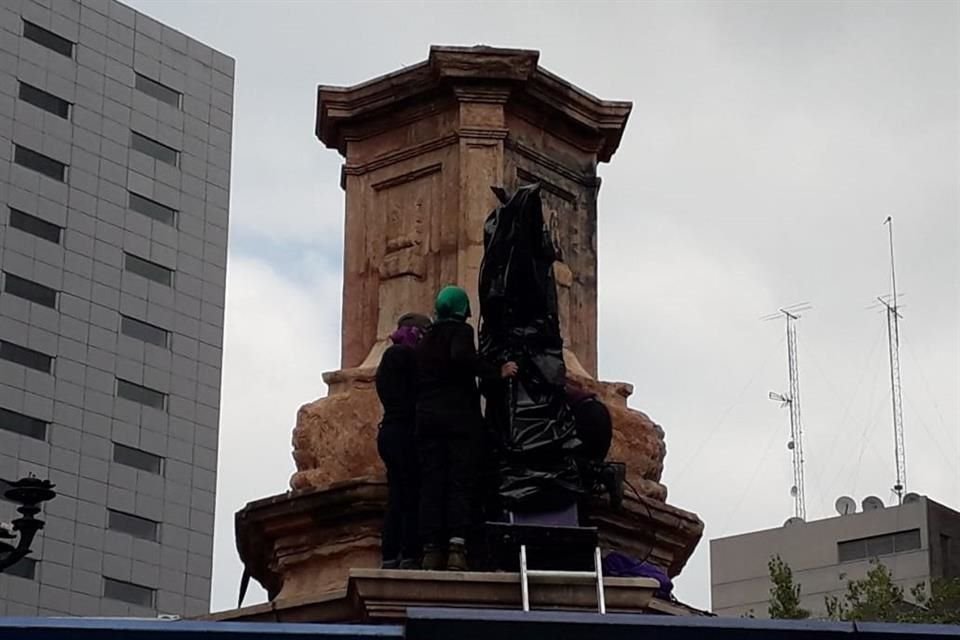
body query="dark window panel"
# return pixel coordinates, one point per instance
(143, 395)
(44, 100)
(137, 459)
(876, 546)
(161, 92)
(22, 424)
(147, 269)
(27, 357)
(34, 226)
(48, 39)
(907, 540)
(128, 592)
(851, 550)
(154, 149)
(23, 568)
(153, 209)
(879, 546)
(40, 163)
(134, 525)
(29, 290)
(144, 331)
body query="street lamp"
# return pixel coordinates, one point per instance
(29, 493)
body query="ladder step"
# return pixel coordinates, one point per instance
(571, 575)
(544, 575)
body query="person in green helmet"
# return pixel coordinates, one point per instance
(449, 431)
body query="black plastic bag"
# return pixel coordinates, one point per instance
(519, 322)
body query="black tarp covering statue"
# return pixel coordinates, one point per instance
(529, 416)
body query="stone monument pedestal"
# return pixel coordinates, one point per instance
(317, 550)
(422, 147)
(374, 595)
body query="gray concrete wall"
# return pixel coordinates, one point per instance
(944, 525)
(78, 399)
(739, 576)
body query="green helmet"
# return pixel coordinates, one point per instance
(452, 304)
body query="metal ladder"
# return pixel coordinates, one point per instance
(595, 575)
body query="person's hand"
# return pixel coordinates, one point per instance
(508, 370)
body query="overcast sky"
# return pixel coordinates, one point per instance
(767, 144)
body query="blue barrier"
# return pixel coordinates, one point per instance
(458, 624)
(128, 629)
(473, 624)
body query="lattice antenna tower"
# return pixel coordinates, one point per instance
(892, 305)
(791, 400)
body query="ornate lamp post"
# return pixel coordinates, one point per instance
(29, 493)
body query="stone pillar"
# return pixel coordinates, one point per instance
(421, 148)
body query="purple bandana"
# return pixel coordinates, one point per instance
(406, 336)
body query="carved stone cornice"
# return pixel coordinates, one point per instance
(417, 150)
(393, 157)
(409, 176)
(483, 63)
(486, 133)
(484, 94)
(473, 74)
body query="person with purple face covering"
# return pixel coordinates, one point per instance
(396, 385)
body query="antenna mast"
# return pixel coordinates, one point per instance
(791, 399)
(893, 340)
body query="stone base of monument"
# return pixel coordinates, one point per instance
(375, 595)
(316, 552)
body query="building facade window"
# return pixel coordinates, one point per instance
(138, 527)
(137, 458)
(153, 209)
(143, 395)
(161, 92)
(154, 149)
(47, 38)
(31, 358)
(34, 226)
(23, 425)
(144, 331)
(128, 592)
(40, 163)
(876, 546)
(29, 290)
(149, 270)
(44, 100)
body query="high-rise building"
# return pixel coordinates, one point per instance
(115, 135)
(916, 541)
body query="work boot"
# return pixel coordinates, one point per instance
(457, 555)
(408, 564)
(434, 558)
(390, 564)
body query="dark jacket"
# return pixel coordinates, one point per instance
(448, 366)
(397, 385)
(577, 395)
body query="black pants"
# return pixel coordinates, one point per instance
(396, 445)
(449, 458)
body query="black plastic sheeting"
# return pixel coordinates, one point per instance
(529, 415)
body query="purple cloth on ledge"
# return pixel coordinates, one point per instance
(618, 565)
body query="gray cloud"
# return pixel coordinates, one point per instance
(767, 144)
